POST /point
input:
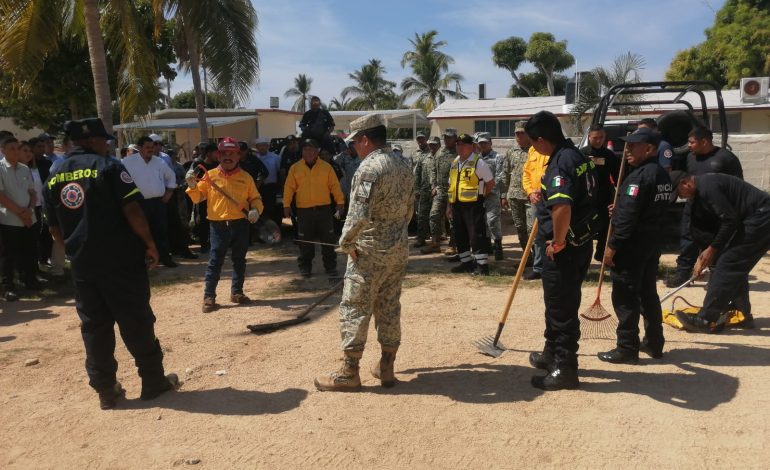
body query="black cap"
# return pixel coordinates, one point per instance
(86, 128)
(645, 135)
(307, 142)
(676, 178)
(290, 137)
(202, 144)
(465, 139)
(45, 136)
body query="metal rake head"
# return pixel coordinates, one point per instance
(597, 323)
(488, 347)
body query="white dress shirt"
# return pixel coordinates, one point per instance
(152, 178)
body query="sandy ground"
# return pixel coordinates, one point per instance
(706, 404)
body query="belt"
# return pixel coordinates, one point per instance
(227, 222)
(316, 208)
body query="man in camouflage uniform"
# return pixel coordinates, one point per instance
(421, 197)
(375, 238)
(439, 174)
(492, 201)
(512, 192)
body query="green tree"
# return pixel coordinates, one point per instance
(340, 104)
(32, 30)
(186, 100)
(625, 68)
(736, 46)
(509, 54)
(548, 56)
(301, 90)
(219, 34)
(431, 82)
(537, 84)
(370, 87)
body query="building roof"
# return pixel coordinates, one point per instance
(525, 107)
(395, 118)
(183, 123)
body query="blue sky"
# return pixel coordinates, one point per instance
(329, 39)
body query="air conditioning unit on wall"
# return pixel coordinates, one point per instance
(754, 90)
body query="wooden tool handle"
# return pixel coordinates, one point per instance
(621, 173)
(517, 278)
(221, 191)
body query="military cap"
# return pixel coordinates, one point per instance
(643, 134)
(434, 140)
(520, 126)
(420, 134)
(370, 121)
(86, 128)
(397, 147)
(450, 132)
(483, 137)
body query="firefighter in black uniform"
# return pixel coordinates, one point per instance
(92, 206)
(568, 220)
(633, 251)
(704, 157)
(731, 219)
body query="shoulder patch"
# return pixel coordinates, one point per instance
(557, 182)
(668, 153)
(632, 190)
(72, 196)
(125, 177)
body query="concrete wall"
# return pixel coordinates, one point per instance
(277, 125)
(755, 122)
(7, 124)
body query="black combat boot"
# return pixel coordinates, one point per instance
(619, 356)
(562, 377)
(465, 267)
(542, 360)
(498, 249)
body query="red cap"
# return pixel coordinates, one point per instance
(228, 144)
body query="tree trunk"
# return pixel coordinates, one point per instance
(549, 81)
(192, 44)
(98, 63)
(526, 89)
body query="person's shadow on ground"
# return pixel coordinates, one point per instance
(225, 401)
(469, 383)
(694, 388)
(22, 312)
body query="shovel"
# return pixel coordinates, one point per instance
(491, 346)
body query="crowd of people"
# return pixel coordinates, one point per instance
(362, 196)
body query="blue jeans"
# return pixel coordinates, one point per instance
(538, 247)
(232, 234)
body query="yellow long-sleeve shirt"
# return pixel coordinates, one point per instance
(533, 172)
(311, 187)
(239, 185)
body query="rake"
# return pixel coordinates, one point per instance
(300, 318)
(491, 346)
(597, 322)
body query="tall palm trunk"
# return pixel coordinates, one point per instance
(98, 62)
(192, 44)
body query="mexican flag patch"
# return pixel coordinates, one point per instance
(633, 190)
(557, 182)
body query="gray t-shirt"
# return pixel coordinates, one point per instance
(15, 183)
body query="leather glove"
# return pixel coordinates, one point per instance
(253, 216)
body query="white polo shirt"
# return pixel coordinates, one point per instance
(152, 178)
(16, 183)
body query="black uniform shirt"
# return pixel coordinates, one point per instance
(607, 169)
(84, 197)
(569, 178)
(722, 206)
(719, 160)
(643, 199)
(254, 167)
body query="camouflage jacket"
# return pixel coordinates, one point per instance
(381, 205)
(441, 163)
(421, 170)
(493, 161)
(510, 172)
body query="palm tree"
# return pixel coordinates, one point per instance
(340, 104)
(301, 89)
(370, 86)
(221, 34)
(431, 82)
(33, 29)
(625, 68)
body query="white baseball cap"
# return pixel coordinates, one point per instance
(262, 140)
(156, 138)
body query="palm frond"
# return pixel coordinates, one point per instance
(29, 32)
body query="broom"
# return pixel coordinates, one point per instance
(596, 321)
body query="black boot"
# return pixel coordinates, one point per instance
(156, 388)
(498, 249)
(562, 377)
(481, 270)
(465, 267)
(619, 356)
(108, 396)
(654, 350)
(542, 360)
(696, 324)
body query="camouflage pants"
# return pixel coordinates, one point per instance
(423, 214)
(437, 214)
(521, 219)
(372, 288)
(492, 208)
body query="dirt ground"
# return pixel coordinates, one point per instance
(706, 404)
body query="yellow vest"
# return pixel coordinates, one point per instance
(464, 185)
